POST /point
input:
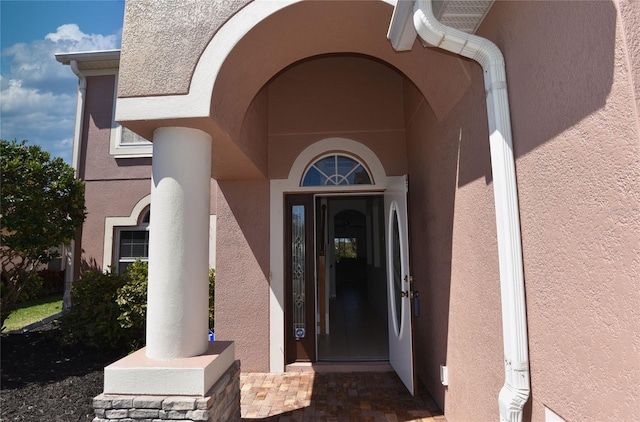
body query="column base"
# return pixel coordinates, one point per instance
(220, 403)
(137, 374)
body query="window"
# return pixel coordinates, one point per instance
(335, 170)
(125, 143)
(345, 247)
(132, 244)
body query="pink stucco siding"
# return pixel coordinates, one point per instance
(572, 70)
(351, 97)
(452, 213)
(113, 185)
(577, 143)
(242, 274)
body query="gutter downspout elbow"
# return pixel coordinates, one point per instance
(515, 392)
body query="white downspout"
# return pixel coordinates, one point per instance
(75, 163)
(77, 131)
(515, 392)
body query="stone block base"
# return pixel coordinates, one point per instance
(221, 403)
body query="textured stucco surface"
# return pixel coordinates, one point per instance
(98, 119)
(162, 41)
(573, 88)
(629, 12)
(351, 97)
(242, 276)
(113, 186)
(309, 29)
(106, 199)
(577, 144)
(106, 178)
(454, 253)
(300, 31)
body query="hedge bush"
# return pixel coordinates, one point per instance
(110, 310)
(93, 317)
(132, 301)
(32, 288)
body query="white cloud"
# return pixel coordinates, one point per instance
(69, 31)
(16, 99)
(35, 64)
(37, 97)
(43, 118)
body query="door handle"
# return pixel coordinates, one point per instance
(416, 303)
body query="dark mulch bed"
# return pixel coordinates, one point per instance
(44, 379)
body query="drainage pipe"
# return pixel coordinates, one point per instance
(77, 133)
(75, 163)
(515, 392)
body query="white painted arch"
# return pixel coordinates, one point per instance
(197, 103)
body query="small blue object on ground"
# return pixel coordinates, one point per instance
(212, 336)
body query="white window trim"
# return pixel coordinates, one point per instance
(112, 226)
(116, 246)
(119, 149)
(335, 154)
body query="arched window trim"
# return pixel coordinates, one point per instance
(336, 175)
(113, 227)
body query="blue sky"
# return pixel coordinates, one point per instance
(38, 94)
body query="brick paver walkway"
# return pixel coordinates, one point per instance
(353, 396)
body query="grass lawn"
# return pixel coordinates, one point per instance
(33, 311)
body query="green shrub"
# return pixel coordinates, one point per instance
(93, 317)
(110, 310)
(42, 284)
(52, 282)
(212, 297)
(132, 300)
(32, 288)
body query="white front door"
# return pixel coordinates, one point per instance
(398, 281)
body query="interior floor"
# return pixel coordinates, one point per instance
(356, 331)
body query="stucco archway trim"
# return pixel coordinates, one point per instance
(197, 103)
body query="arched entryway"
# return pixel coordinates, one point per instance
(260, 92)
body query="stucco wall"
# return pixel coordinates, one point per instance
(576, 140)
(577, 144)
(105, 199)
(242, 276)
(454, 253)
(348, 97)
(113, 185)
(178, 36)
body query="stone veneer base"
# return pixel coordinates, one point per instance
(137, 374)
(220, 403)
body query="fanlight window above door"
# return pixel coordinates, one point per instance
(335, 170)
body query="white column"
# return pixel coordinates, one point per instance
(178, 292)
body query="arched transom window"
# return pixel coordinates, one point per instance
(335, 170)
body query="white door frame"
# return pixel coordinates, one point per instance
(278, 188)
(400, 332)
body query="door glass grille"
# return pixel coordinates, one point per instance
(298, 269)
